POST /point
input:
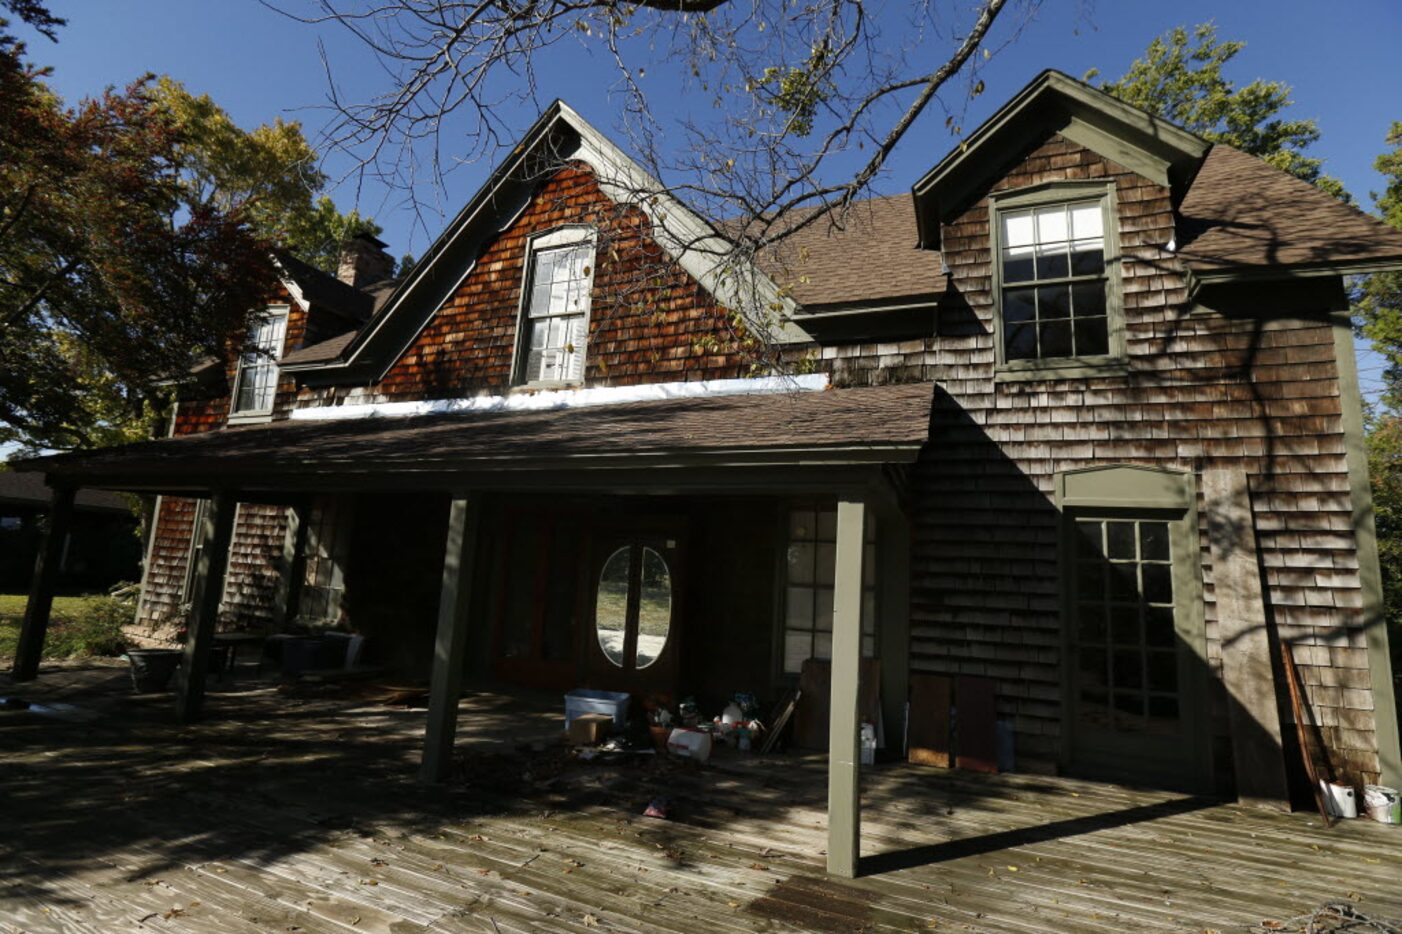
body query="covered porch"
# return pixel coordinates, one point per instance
(299, 810)
(653, 477)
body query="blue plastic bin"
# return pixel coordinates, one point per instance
(587, 700)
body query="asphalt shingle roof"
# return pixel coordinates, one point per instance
(1241, 213)
(872, 417)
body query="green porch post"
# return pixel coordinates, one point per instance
(41, 588)
(844, 755)
(215, 535)
(450, 645)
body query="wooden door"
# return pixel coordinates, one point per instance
(536, 604)
(632, 643)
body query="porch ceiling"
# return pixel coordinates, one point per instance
(698, 441)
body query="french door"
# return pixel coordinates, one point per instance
(633, 643)
(1134, 641)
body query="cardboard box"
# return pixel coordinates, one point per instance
(590, 729)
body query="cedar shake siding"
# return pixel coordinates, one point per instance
(1230, 377)
(648, 321)
(1245, 388)
(253, 578)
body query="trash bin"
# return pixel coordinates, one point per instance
(1383, 804)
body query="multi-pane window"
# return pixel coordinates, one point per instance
(256, 382)
(557, 313)
(1054, 281)
(810, 570)
(1124, 637)
(324, 553)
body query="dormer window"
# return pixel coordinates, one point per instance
(555, 308)
(255, 383)
(1056, 277)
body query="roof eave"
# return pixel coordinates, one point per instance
(1091, 114)
(1200, 278)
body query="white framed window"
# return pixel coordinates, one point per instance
(1054, 281)
(810, 566)
(255, 383)
(555, 308)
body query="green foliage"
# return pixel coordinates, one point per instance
(798, 90)
(1377, 301)
(36, 14)
(79, 627)
(1180, 78)
(269, 172)
(1385, 472)
(1377, 308)
(113, 277)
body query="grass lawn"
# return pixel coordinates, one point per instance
(77, 626)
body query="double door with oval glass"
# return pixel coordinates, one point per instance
(634, 645)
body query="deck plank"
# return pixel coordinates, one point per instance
(286, 811)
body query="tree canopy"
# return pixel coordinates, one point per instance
(270, 173)
(111, 275)
(136, 236)
(1378, 299)
(1180, 78)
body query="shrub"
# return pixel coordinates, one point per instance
(94, 628)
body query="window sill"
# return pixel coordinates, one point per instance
(250, 418)
(1081, 368)
(546, 386)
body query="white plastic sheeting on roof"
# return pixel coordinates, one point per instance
(547, 400)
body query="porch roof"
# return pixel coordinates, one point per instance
(836, 428)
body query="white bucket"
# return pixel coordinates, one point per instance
(1340, 800)
(1383, 804)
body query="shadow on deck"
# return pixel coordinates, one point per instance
(299, 809)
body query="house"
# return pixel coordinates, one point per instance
(101, 549)
(1077, 420)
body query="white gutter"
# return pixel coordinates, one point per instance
(550, 400)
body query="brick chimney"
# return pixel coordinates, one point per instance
(364, 261)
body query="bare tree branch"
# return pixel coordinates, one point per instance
(788, 114)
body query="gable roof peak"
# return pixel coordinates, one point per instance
(557, 136)
(1054, 102)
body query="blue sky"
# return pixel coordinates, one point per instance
(259, 65)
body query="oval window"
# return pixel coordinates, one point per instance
(611, 607)
(654, 608)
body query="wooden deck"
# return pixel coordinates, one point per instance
(298, 813)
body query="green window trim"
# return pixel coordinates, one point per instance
(1136, 494)
(1113, 362)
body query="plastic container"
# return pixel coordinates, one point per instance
(1340, 800)
(1383, 804)
(690, 744)
(587, 700)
